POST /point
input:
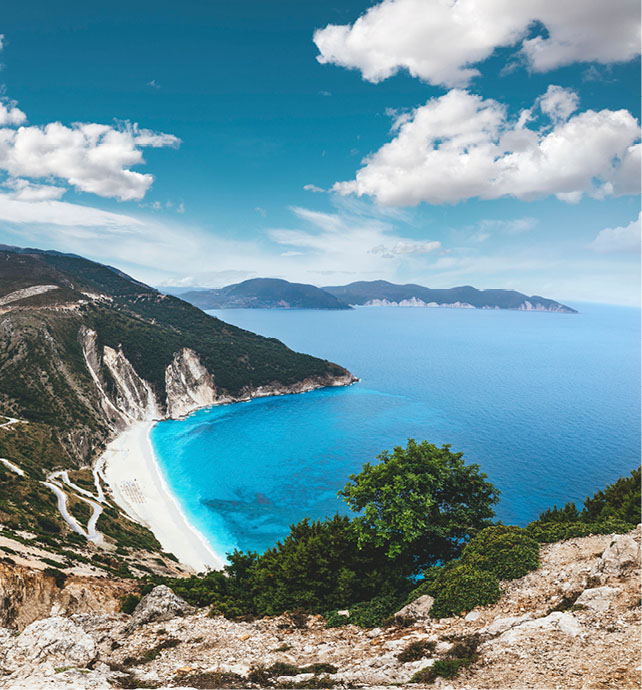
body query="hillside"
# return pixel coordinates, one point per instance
(574, 622)
(85, 351)
(264, 293)
(270, 293)
(383, 293)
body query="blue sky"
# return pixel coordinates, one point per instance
(488, 143)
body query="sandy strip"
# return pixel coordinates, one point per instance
(133, 475)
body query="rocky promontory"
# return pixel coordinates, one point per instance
(572, 623)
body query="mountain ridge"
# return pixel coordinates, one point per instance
(273, 293)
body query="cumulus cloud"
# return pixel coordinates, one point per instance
(90, 157)
(313, 188)
(620, 240)
(11, 115)
(558, 103)
(439, 41)
(460, 146)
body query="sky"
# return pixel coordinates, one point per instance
(444, 142)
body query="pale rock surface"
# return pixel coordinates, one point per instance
(188, 384)
(419, 609)
(598, 599)
(56, 640)
(621, 556)
(161, 604)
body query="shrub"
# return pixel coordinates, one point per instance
(548, 532)
(416, 650)
(47, 524)
(368, 614)
(129, 602)
(447, 668)
(462, 588)
(507, 552)
(57, 575)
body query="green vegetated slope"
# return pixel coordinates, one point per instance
(45, 379)
(264, 293)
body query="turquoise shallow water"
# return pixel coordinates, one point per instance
(547, 404)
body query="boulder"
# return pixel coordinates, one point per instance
(598, 599)
(620, 557)
(554, 622)
(161, 604)
(419, 609)
(58, 641)
(501, 625)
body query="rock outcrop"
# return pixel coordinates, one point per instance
(551, 628)
(188, 384)
(161, 604)
(28, 595)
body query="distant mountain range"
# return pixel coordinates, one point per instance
(264, 293)
(270, 293)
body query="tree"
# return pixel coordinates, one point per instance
(420, 503)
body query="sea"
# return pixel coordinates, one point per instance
(547, 404)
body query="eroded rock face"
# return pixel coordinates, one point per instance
(161, 604)
(56, 640)
(29, 595)
(134, 396)
(188, 383)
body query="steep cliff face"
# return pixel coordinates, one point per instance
(28, 595)
(133, 395)
(188, 384)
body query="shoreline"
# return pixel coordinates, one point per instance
(131, 471)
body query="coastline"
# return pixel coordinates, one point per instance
(131, 471)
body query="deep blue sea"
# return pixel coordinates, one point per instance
(547, 404)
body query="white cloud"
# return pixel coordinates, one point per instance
(313, 188)
(27, 191)
(406, 247)
(90, 157)
(460, 146)
(59, 213)
(439, 41)
(620, 240)
(558, 103)
(11, 115)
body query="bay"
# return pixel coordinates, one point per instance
(547, 404)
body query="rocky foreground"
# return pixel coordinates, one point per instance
(573, 623)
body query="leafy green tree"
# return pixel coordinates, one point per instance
(420, 503)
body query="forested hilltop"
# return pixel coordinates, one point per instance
(85, 351)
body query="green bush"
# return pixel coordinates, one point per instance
(507, 552)
(368, 614)
(446, 668)
(57, 575)
(548, 532)
(129, 602)
(462, 588)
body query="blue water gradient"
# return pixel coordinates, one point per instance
(547, 404)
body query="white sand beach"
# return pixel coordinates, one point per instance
(132, 473)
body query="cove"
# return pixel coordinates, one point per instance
(546, 403)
